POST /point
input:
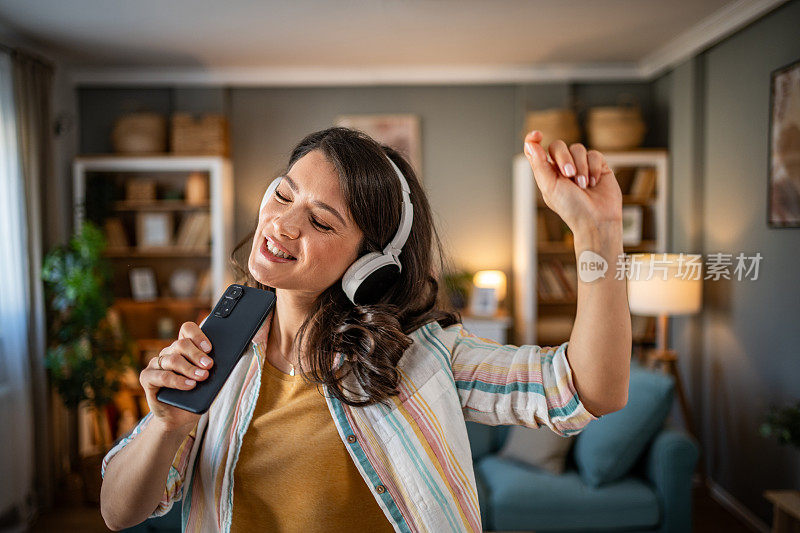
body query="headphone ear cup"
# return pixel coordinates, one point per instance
(268, 194)
(370, 277)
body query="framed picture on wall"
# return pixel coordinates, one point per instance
(783, 197)
(401, 132)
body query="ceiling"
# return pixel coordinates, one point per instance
(470, 37)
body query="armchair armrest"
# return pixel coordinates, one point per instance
(670, 463)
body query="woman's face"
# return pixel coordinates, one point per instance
(307, 218)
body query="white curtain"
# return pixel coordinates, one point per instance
(16, 392)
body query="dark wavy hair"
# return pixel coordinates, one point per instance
(371, 337)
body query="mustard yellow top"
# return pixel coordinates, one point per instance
(293, 471)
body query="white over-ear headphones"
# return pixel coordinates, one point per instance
(372, 274)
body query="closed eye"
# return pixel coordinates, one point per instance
(314, 221)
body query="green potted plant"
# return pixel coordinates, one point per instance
(457, 284)
(87, 349)
(783, 424)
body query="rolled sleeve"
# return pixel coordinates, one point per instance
(173, 487)
(524, 385)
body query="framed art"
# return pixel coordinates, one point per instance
(153, 230)
(631, 225)
(400, 131)
(143, 284)
(783, 197)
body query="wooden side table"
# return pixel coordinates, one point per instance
(786, 510)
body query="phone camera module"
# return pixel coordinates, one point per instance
(234, 291)
(224, 307)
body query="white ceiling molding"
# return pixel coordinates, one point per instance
(327, 76)
(704, 34)
(694, 40)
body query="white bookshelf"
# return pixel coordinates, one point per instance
(526, 252)
(220, 178)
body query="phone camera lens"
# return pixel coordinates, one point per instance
(233, 291)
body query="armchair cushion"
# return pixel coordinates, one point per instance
(610, 446)
(527, 498)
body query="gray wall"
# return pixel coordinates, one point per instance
(469, 135)
(741, 354)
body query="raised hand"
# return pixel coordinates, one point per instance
(576, 183)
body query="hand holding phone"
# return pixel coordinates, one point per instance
(232, 324)
(183, 364)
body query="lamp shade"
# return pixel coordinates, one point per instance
(491, 279)
(663, 284)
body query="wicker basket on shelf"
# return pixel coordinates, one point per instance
(554, 124)
(139, 133)
(615, 128)
(203, 135)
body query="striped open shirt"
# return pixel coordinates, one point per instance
(415, 454)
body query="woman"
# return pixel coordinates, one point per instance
(383, 445)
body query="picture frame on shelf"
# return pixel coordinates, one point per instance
(143, 284)
(153, 230)
(631, 225)
(484, 301)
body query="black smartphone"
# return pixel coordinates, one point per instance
(231, 326)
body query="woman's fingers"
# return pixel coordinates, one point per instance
(543, 171)
(597, 166)
(190, 330)
(563, 158)
(578, 152)
(152, 377)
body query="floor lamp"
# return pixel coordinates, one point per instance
(663, 285)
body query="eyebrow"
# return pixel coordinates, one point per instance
(323, 205)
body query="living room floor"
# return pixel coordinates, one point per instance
(709, 517)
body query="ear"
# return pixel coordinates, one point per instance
(268, 193)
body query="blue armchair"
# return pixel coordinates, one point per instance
(625, 472)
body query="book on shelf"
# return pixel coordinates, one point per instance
(115, 234)
(553, 282)
(559, 292)
(644, 183)
(194, 231)
(570, 288)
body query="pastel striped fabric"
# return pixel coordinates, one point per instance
(414, 453)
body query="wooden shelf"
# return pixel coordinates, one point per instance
(156, 252)
(561, 248)
(158, 205)
(557, 301)
(163, 302)
(627, 199)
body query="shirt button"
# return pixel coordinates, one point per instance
(351, 438)
(380, 489)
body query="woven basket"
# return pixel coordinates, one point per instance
(615, 128)
(139, 133)
(204, 135)
(554, 124)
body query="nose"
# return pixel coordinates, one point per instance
(287, 224)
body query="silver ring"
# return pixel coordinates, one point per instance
(158, 361)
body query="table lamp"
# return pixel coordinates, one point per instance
(662, 285)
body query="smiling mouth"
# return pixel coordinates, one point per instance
(272, 251)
